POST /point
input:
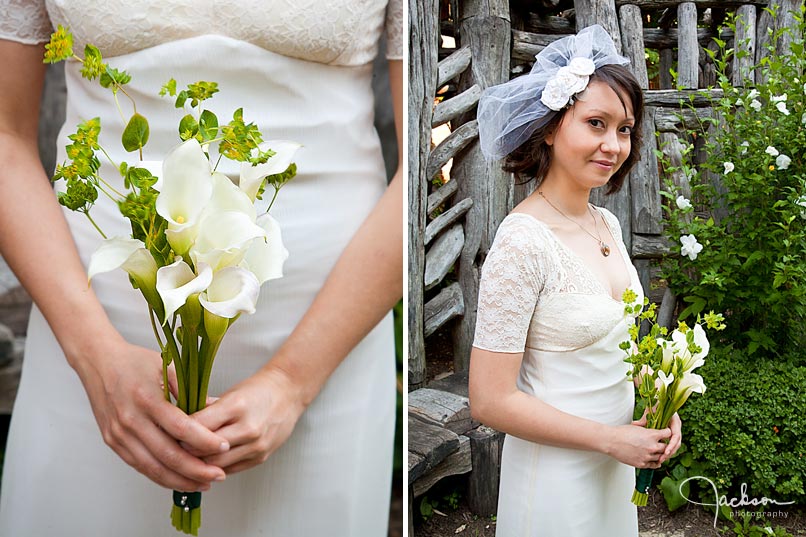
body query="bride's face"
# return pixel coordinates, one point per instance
(592, 140)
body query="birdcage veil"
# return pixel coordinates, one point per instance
(509, 113)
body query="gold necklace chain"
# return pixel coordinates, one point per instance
(604, 248)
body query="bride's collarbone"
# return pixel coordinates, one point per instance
(609, 270)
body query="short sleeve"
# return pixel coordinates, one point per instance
(24, 21)
(511, 280)
(394, 30)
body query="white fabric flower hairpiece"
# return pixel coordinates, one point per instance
(509, 113)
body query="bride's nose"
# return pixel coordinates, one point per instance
(610, 142)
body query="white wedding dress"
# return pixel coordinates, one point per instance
(302, 71)
(538, 297)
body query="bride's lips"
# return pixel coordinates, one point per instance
(604, 164)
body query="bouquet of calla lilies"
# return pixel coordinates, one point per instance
(198, 250)
(663, 367)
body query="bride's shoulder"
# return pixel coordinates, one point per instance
(522, 232)
(521, 223)
(611, 218)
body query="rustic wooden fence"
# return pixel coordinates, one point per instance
(497, 39)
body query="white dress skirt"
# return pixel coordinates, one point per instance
(333, 476)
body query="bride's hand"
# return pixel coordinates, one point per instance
(123, 383)
(638, 446)
(674, 442)
(256, 416)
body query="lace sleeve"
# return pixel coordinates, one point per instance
(24, 21)
(394, 30)
(511, 280)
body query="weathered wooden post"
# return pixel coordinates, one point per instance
(423, 44)
(744, 41)
(485, 28)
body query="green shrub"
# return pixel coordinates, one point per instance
(749, 208)
(748, 427)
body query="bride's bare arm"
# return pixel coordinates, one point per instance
(121, 380)
(496, 401)
(258, 415)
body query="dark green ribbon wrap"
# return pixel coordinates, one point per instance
(644, 480)
(191, 500)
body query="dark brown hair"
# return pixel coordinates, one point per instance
(532, 159)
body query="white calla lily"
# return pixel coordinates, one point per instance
(132, 256)
(223, 239)
(690, 383)
(668, 354)
(233, 291)
(176, 282)
(265, 257)
(665, 379)
(228, 197)
(122, 252)
(187, 186)
(252, 176)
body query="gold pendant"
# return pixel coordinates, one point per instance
(605, 249)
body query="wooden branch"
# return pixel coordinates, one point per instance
(441, 195)
(549, 25)
(688, 49)
(743, 73)
(644, 182)
(455, 106)
(671, 120)
(428, 446)
(423, 41)
(649, 246)
(442, 255)
(526, 45)
(457, 463)
(666, 310)
(448, 304)
(672, 98)
(601, 12)
(447, 410)
(445, 219)
(450, 146)
(486, 445)
(453, 65)
(484, 25)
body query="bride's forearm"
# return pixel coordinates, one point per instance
(365, 283)
(527, 417)
(36, 243)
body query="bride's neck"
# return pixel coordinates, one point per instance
(565, 196)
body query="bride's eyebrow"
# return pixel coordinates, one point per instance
(608, 115)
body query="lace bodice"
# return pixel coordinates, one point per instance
(535, 292)
(338, 32)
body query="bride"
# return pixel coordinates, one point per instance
(546, 367)
(299, 441)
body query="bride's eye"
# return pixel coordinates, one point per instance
(596, 123)
(626, 129)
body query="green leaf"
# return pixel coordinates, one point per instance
(181, 98)
(188, 127)
(208, 125)
(135, 135)
(671, 493)
(169, 88)
(113, 76)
